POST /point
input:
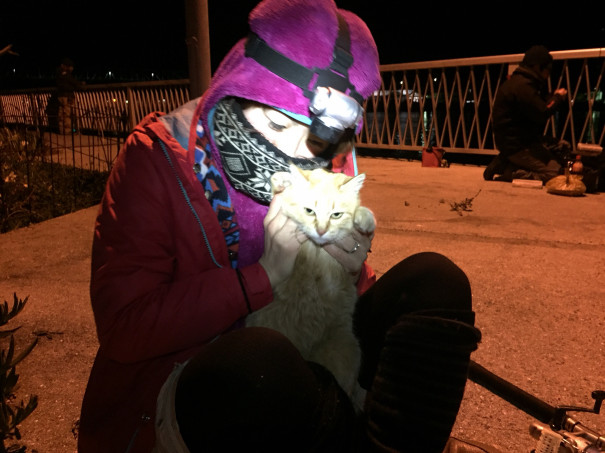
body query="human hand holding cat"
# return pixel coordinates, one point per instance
(341, 252)
(352, 250)
(282, 243)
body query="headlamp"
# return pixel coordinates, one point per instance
(333, 112)
(335, 104)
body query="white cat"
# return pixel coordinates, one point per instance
(314, 307)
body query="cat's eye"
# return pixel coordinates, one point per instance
(309, 211)
(336, 215)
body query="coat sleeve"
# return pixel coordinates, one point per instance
(156, 287)
(536, 108)
(366, 279)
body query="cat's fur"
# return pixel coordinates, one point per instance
(314, 307)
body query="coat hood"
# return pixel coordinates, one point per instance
(305, 32)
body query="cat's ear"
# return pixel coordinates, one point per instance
(354, 184)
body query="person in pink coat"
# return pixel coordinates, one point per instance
(188, 242)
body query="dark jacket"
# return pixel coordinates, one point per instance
(521, 109)
(67, 84)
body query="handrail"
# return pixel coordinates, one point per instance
(104, 86)
(596, 52)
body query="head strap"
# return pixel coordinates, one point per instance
(334, 76)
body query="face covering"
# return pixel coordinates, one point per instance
(249, 160)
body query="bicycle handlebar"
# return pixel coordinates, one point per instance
(555, 417)
(518, 397)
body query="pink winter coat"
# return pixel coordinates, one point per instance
(161, 285)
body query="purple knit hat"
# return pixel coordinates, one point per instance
(305, 32)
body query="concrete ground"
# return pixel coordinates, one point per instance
(536, 263)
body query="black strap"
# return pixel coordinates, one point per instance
(335, 76)
(277, 63)
(342, 59)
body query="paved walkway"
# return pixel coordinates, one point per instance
(536, 263)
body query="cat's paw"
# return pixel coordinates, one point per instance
(358, 398)
(280, 180)
(364, 220)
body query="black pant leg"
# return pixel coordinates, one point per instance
(421, 282)
(415, 327)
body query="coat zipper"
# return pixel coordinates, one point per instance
(188, 201)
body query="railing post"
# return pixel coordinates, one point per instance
(198, 46)
(131, 115)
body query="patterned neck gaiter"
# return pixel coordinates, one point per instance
(248, 158)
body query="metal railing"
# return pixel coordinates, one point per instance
(45, 171)
(448, 103)
(111, 108)
(444, 103)
(44, 174)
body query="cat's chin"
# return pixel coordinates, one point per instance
(320, 240)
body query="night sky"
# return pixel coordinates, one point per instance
(134, 40)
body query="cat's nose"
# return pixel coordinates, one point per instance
(321, 231)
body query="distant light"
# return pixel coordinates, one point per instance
(435, 79)
(114, 100)
(152, 75)
(14, 70)
(109, 74)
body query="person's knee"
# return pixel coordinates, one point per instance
(427, 283)
(422, 281)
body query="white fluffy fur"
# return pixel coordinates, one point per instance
(314, 307)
